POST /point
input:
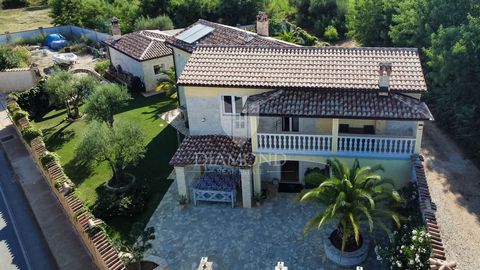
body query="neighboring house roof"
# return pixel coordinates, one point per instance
(337, 104)
(303, 67)
(224, 35)
(214, 150)
(142, 45)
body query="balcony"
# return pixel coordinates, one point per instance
(346, 145)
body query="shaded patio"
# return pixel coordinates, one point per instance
(239, 238)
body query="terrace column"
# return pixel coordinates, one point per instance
(418, 137)
(246, 176)
(253, 132)
(257, 182)
(334, 135)
(181, 181)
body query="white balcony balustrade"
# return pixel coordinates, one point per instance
(347, 145)
(294, 143)
(367, 145)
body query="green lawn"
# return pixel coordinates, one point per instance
(62, 136)
(21, 19)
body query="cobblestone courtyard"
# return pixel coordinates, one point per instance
(240, 238)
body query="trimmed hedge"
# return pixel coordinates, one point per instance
(30, 133)
(47, 158)
(19, 114)
(13, 107)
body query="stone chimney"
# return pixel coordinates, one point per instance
(385, 70)
(116, 33)
(262, 24)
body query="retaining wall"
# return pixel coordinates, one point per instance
(64, 30)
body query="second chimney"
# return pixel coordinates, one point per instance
(385, 71)
(116, 33)
(262, 24)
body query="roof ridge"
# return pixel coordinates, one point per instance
(309, 47)
(146, 49)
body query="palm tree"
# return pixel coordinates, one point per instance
(351, 196)
(288, 36)
(167, 83)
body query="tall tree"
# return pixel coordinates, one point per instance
(454, 63)
(120, 146)
(235, 12)
(105, 102)
(369, 21)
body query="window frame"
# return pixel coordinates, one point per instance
(290, 124)
(160, 68)
(233, 104)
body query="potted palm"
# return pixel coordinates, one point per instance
(182, 201)
(354, 198)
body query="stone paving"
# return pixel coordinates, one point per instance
(240, 238)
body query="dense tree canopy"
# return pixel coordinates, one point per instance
(106, 101)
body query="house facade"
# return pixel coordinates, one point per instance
(275, 112)
(142, 54)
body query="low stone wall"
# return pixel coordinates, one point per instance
(88, 227)
(428, 209)
(18, 79)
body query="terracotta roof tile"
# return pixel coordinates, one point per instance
(214, 150)
(141, 45)
(334, 103)
(226, 35)
(303, 67)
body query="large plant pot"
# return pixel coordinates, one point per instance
(345, 258)
(122, 188)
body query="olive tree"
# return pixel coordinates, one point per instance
(121, 145)
(105, 101)
(65, 88)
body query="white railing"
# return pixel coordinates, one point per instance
(376, 145)
(294, 143)
(361, 145)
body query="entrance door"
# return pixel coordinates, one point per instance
(290, 171)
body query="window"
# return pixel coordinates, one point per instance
(290, 124)
(343, 128)
(157, 69)
(233, 104)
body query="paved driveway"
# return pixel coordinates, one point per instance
(454, 183)
(239, 238)
(21, 243)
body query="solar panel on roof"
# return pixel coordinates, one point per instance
(195, 33)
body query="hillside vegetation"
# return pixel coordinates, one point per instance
(20, 19)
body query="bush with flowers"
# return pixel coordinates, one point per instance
(410, 248)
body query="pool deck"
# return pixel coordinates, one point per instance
(240, 238)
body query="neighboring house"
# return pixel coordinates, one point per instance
(273, 112)
(143, 54)
(208, 33)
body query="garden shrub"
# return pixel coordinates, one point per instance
(314, 177)
(39, 39)
(331, 34)
(47, 158)
(136, 85)
(410, 249)
(128, 203)
(19, 114)
(161, 22)
(34, 100)
(101, 67)
(30, 133)
(14, 3)
(18, 57)
(12, 107)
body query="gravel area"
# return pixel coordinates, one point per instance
(455, 188)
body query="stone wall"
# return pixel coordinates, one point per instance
(64, 30)
(18, 79)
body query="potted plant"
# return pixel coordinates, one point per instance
(258, 199)
(182, 201)
(354, 198)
